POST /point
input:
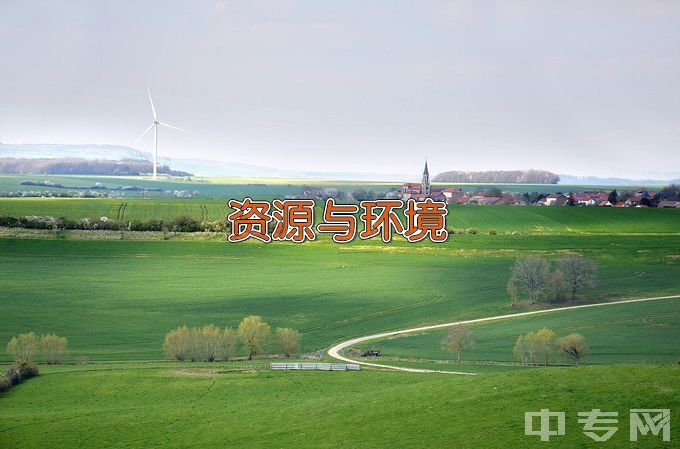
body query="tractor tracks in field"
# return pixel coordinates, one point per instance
(336, 349)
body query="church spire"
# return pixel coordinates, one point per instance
(426, 188)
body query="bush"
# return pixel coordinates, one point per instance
(472, 231)
(9, 221)
(184, 223)
(5, 384)
(13, 375)
(26, 369)
(493, 232)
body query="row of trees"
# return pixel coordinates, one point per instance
(533, 348)
(534, 276)
(210, 343)
(536, 347)
(182, 223)
(27, 347)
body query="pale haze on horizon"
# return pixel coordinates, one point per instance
(584, 88)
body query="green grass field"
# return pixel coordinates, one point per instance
(116, 299)
(503, 219)
(159, 406)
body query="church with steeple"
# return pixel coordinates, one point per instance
(421, 190)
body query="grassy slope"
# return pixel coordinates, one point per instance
(116, 300)
(626, 333)
(163, 408)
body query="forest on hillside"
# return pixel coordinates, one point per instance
(127, 167)
(502, 176)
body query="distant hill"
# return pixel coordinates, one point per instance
(66, 166)
(595, 181)
(201, 167)
(500, 177)
(58, 151)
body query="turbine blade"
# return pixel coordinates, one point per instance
(153, 109)
(143, 134)
(173, 127)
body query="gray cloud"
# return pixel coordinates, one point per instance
(578, 87)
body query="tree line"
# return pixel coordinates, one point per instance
(533, 349)
(210, 343)
(24, 349)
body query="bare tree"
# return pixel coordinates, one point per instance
(458, 339)
(24, 347)
(574, 347)
(288, 340)
(53, 347)
(253, 332)
(579, 272)
(531, 274)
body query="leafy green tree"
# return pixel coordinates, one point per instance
(545, 342)
(53, 348)
(177, 343)
(254, 333)
(288, 341)
(229, 340)
(24, 347)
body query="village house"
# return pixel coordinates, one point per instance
(554, 199)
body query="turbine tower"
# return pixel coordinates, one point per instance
(155, 125)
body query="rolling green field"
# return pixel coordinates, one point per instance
(503, 219)
(161, 407)
(116, 299)
(644, 332)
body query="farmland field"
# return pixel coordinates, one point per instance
(115, 300)
(128, 294)
(522, 219)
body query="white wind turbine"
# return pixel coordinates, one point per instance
(154, 125)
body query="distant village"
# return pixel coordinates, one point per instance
(496, 197)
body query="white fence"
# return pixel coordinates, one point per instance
(315, 366)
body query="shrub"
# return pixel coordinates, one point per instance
(5, 384)
(472, 231)
(26, 369)
(184, 223)
(9, 221)
(493, 232)
(13, 375)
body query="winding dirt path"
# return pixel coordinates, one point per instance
(335, 350)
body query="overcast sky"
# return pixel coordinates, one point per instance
(578, 87)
